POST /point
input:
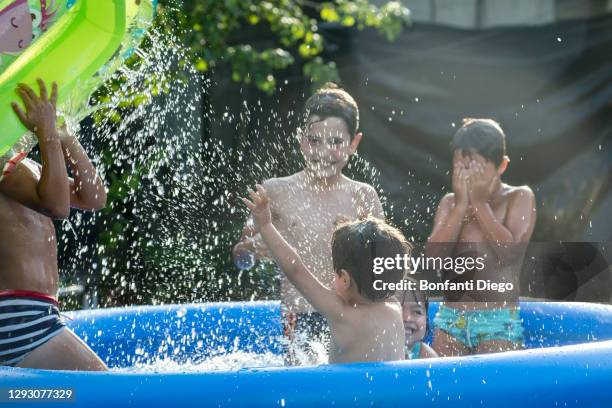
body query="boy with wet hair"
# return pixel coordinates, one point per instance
(482, 217)
(366, 324)
(32, 332)
(307, 206)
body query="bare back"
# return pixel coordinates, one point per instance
(372, 332)
(307, 216)
(28, 249)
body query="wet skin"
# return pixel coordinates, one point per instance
(482, 217)
(307, 206)
(30, 197)
(33, 194)
(361, 330)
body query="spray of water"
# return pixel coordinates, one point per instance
(173, 212)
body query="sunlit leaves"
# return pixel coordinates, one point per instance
(217, 33)
(388, 19)
(320, 71)
(201, 64)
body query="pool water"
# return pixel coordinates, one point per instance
(230, 362)
(307, 352)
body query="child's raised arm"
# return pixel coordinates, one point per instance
(520, 219)
(87, 191)
(43, 189)
(323, 299)
(449, 216)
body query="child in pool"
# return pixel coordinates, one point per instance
(366, 324)
(482, 217)
(414, 313)
(32, 333)
(307, 206)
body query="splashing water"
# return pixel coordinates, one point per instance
(226, 362)
(172, 214)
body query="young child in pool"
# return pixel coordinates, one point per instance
(32, 333)
(414, 313)
(366, 324)
(482, 217)
(307, 206)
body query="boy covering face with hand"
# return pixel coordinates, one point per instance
(482, 217)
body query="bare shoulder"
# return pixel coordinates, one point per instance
(277, 185)
(427, 351)
(282, 192)
(20, 185)
(519, 194)
(356, 185)
(522, 191)
(363, 190)
(372, 315)
(367, 199)
(26, 171)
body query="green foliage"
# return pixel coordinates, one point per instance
(215, 31)
(220, 32)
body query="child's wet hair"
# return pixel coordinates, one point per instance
(333, 101)
(355, 245)
(417, 296)
(482, 136)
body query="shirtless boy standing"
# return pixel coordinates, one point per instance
(482, 217)
(306, 206)
(32, 333)
(366, 324)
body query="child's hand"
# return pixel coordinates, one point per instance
(40, 110)
(261, 250)
(460, 185)
(480, 184)
(260, 206)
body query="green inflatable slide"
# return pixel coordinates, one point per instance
(77, 43)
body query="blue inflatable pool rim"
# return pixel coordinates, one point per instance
(124, 337)
(569, 363)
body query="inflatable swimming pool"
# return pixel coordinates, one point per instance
(569, 364)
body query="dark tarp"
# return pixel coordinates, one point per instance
(549, 86)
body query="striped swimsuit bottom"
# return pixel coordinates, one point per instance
(27, 320)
